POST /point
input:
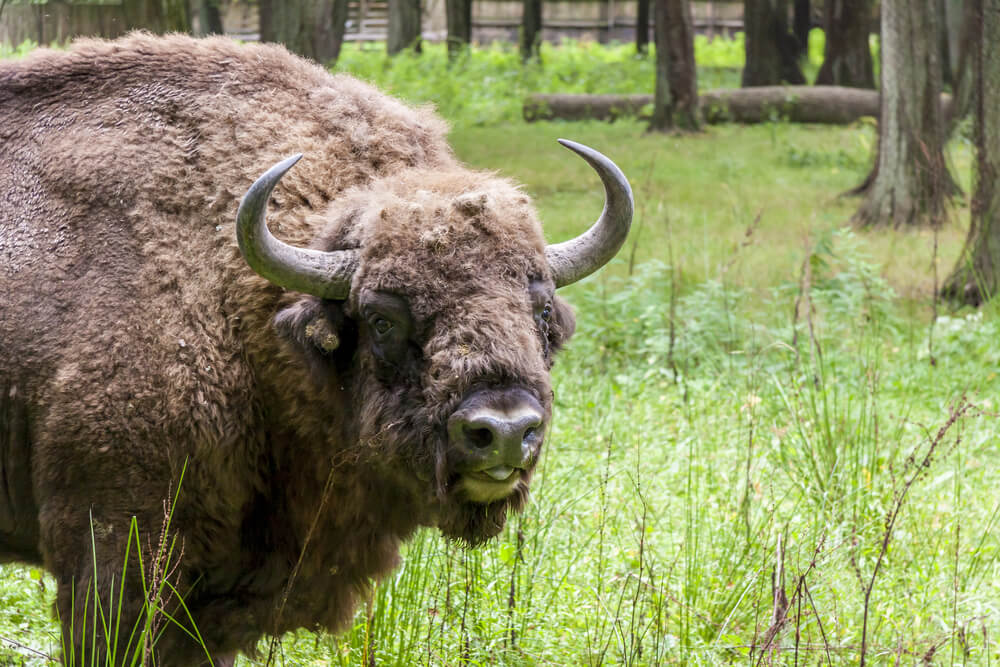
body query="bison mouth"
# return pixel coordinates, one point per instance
(490, 485)
(477, 521)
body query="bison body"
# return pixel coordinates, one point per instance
(306, 425)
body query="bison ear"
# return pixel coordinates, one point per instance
(561, 325)
(317, 329)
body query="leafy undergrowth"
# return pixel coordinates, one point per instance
(8, 51)
(487, 84)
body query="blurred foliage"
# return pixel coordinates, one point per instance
(488, 83)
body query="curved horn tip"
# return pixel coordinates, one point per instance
(586, 152)
(282, 167)
(583, 150)
(577, 258)
(269, 179)
(594, 156)
(570, 144)
(292, 159)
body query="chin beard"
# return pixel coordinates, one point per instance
(476, 523)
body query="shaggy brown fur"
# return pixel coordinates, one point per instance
(136, 343)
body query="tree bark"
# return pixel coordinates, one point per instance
(339, 27)
(642, 27)
(910, 182)
(675, 102)
(847, 59)
(309, 28)
(801, 23)
(209, 17)
(963, 83)
(771, 51)
(531, 30)
(458, 14)
(955, 15)
(58, 22)
(404, 26)
(941, 26)
(265, 14)
(976, 277)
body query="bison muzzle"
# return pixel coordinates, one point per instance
(310, 401)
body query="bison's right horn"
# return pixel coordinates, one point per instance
(322, 274)
(578, 258)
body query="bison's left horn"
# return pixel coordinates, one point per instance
(322, 274)
(578, 258)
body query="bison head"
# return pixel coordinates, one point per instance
(445, 288)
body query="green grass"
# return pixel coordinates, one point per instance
(747, 403)
(486, 86)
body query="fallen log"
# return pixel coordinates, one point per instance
(542, 106)
(798, 104)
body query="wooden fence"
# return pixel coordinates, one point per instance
(602, 20)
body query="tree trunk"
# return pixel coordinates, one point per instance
(404, 26)
(339, 26)
(531, 29)
(159, 16)
(771, 51)
(955, 13)
(801, 23)
(308, 27)
(642, 27)
(675, 102)
(910, 182)
(209, 17)
(459, 17)
(174, 14)
(943, 37)
(265, 13)
(59, 22)
(977, 275)
(847, 59)
(963, 83)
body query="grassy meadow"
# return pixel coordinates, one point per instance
(771, 445)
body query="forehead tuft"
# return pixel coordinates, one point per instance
(448, 232)
(471, 204)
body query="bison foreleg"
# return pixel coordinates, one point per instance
(18, 514)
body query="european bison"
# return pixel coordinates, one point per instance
(310, 401)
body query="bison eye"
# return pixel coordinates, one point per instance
(381, 325)
(546, 312)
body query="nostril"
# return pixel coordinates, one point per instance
(479, 437)
(496, 428)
